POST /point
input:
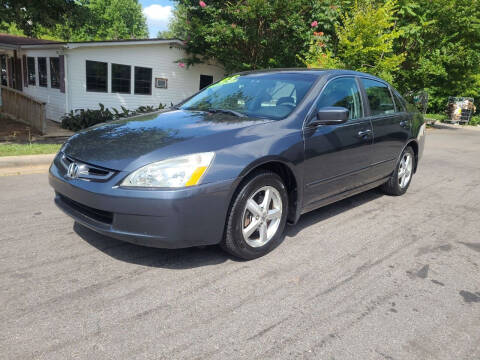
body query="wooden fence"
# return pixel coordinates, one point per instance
(23, 108)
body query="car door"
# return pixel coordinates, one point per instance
(390, 126)
(337, 157)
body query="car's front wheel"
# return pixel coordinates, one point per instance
(257, 216)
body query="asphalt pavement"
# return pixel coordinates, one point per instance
(371, 277)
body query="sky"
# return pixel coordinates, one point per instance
(158, 14)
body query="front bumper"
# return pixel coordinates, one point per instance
(158, 218)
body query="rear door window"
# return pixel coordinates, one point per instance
(379, 97)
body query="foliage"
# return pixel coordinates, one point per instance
(417, 45)
(11, 28)
(28, 149)
(441, 40)
(475, 120)
(251, 34)
(30, 17)
(86, 118)
(113, 20)
(365, 41)
(80, 20)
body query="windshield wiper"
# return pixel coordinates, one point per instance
(227, 111)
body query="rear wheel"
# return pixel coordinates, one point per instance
(257, 217)
(401, 178)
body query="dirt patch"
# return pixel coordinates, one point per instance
(13, 131)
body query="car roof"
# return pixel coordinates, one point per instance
(319, 72)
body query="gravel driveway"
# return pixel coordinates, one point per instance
(371, 277)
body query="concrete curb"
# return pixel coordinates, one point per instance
(8, 164)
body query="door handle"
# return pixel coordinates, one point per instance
(364, 133)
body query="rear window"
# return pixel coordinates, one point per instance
(399, 104)
(379, 97)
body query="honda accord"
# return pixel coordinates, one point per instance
(236, 162)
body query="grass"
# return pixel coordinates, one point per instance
(439, 117)
(28, 149)
(475, 120)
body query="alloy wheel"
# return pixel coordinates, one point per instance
(405, 170)
(262, 216)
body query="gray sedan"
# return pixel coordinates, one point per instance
(234, 163)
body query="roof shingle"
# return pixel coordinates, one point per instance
(21, 40)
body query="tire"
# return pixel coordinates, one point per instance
(270, 229)
(398, 185)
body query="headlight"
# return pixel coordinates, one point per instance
(176, 172)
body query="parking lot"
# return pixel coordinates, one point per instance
(371, 277)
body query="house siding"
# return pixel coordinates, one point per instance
(54, 99)
(182, 82)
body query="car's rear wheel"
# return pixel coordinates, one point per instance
(402, 176)
(257, 216)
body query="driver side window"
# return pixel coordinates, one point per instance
(342, 92)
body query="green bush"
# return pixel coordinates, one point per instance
(87, 118)
(475, 120)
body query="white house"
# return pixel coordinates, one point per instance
(80, 75)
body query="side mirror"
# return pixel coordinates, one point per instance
(331, 115)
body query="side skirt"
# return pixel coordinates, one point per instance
(344, 195)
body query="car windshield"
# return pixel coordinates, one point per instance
(267, 95)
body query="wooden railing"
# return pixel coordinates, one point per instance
(23, 108)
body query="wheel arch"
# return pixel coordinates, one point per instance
(414, 145)
(286, 172)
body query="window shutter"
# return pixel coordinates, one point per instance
(62, 72)
(25, 72)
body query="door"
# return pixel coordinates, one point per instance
(205, 80)
(337, 157)
(390, 126)
(3, 70)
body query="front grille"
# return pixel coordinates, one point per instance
(86, 171)
(95, 214)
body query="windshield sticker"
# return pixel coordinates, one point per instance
(227, 80)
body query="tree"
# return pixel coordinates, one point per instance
(107, 20)
(118, 19)
(365, 41)
(87, 20)
(441, 40)
(30, 17)
(250, 34)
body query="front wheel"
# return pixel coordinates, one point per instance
(257, 216)
(402, 176)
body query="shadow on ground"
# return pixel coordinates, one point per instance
(438, 125)
(334, 209)
(153, 257)
(208, 255)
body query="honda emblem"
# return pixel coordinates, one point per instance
(72, 171)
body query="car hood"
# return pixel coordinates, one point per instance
(131, 143)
